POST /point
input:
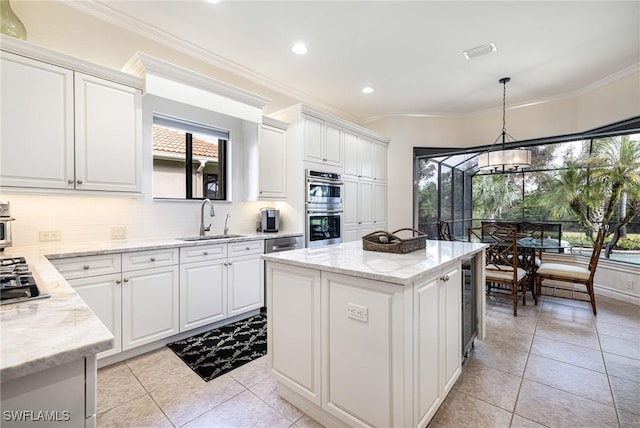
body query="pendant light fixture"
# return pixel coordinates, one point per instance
(505, 159)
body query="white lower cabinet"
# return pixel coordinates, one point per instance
(149, 305)
(145, 296)
(364, 352)
(220, 281)
(134, 294)
(203, 285)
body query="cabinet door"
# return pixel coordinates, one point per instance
(452, 359)
(37, 124)
(245, 284)
(108, 135)
(379, 161)
(379, 203)
(351, 234)
(103, 295)
(365, 197)
(351, 154)
(272, 171)
(312, 139)
(332, 145)
(203, 293)
(149, 305)
(366, 158)
(350, 203)
(427, 335)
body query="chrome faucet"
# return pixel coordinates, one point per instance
(212, 213)
(226, 229)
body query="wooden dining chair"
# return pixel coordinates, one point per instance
(501, 269)
(566, 276)
(444, 232)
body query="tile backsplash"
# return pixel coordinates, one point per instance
(91, 218)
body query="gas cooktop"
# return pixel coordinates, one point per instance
(17, 283)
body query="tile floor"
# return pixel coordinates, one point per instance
(555, 365)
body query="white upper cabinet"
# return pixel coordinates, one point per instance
(108, 129)
(364, 157)
(322, 142)
(272, 182)
(64, 129)
(37, 124)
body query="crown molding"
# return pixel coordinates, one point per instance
(103, 12)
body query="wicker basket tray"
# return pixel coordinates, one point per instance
(390, 243)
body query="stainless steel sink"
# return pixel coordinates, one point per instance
(210, 237)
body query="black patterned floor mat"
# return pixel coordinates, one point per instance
(216, 352)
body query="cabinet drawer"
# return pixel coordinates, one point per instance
(84, 267)
(246, 247)
(149, 259)
(202, 252)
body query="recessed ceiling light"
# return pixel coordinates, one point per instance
(479, 51)
(367, 90)
(299, 48)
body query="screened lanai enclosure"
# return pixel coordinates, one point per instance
(573, 185)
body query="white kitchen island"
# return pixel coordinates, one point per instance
(362, 338)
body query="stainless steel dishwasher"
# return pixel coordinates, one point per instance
(275, 245)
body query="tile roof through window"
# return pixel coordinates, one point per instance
(171, 141)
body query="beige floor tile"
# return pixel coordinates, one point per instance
(554, 408)
(503, 352)
(619, 331)
(266, 390)
(116, 386)
(141, 412)
(623, 347)
(626, 393)
(307, 421)
(243, 410)
(613, 306)
(567, 309)
(576, 380)
(569, 332)
(514, 325)
(159, 368)
(251, 373)
(520, 422)
(489, 384)
(568, 353)
(192, 396)
(626, 368)
(462, 410)
(628, 419)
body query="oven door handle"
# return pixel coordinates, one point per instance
(324, 211)
(323, 181)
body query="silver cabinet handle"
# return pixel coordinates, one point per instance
(126, 280)
(79, 182)
(445, 278)
(86, 267)
(226, 264)
(153, 259)
(206, 253)
(70, 181)
(118, 281)
(247, 248)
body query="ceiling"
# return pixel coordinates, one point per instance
(409, 52)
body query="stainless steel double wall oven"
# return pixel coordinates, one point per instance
(324, 208)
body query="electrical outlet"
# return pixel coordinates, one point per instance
(118, 232)
(49, 235)
(357, 312)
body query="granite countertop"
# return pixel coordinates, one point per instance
(350, 259)
(44, 333)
